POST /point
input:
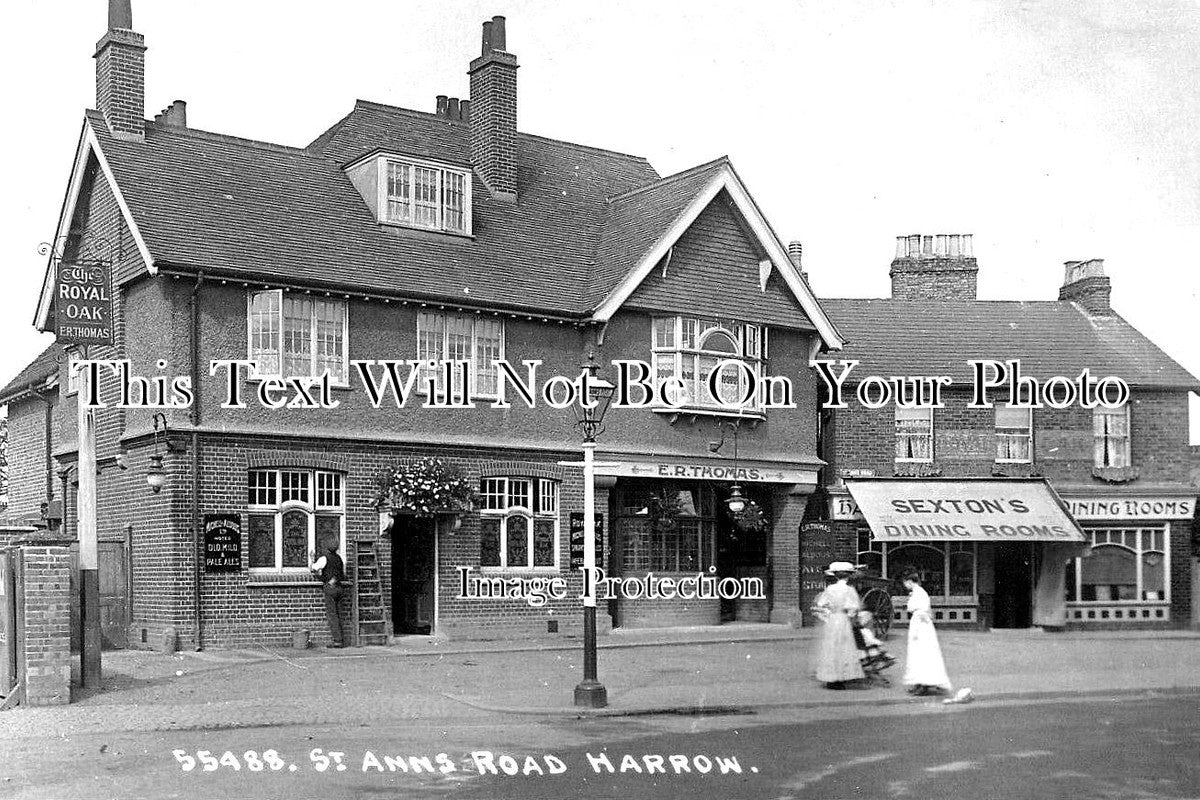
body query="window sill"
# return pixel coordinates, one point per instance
(400, 227)
(692, 412)
(259, 378)
(517, 571)
(1116, 474)
(282, 579)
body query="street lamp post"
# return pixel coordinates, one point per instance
(597, 394)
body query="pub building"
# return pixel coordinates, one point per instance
(932, 488)
(443, 235)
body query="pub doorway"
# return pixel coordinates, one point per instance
(414, 562)
(1014, 565)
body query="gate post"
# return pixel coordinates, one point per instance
(44, 657)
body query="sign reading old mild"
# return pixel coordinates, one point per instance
(83, 304)
(222, 543)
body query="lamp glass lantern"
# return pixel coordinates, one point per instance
(156, 476)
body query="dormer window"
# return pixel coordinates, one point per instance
(416, 193)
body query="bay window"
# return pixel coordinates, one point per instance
(690, 348)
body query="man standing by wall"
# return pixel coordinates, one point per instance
(333, 579)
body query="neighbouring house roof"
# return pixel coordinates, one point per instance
(917, 337)
(586, 220)
(40, 373)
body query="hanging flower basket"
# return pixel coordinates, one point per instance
(426, 487)
(751, 519)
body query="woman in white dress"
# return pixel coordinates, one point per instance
(924, 669)
(837, 653)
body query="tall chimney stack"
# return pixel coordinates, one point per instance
(1085, 283)
(493, 113)
(941, 267)
(121, 74)
(796, 254)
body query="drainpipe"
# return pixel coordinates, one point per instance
(194, 356)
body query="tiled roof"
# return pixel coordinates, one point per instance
(915, 337)
(233, 206)
(38, 371)
(637, 219)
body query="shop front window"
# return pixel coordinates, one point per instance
(292, 513)
(947, 569)
(1126, 564)
(518, 525)
(666, 528)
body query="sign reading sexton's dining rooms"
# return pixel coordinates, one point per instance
(82, 303)
(981, 511)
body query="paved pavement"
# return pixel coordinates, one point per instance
(664, 671)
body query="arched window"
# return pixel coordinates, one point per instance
(688, 349)
(518, 526)
(293, 512)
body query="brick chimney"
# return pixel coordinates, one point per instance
(493, 113)
(940, 267)
(121, 74)
(1085, 283)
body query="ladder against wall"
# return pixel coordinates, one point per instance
(370, 617)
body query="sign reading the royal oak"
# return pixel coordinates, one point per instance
(577, 548)
(83, 303)
(222, 543)
(970, 511)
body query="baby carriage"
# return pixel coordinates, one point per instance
(874, 659)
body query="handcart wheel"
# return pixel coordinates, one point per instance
(879, 603)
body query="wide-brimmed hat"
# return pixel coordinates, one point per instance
(840, 566)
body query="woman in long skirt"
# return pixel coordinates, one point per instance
(924, 668)
(837, 653)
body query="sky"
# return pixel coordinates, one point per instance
(1050, 130)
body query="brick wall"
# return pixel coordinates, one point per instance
(120, 81)
(45, 636)
(27, 458)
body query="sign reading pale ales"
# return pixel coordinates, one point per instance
(1008, 510)
(222, 543)
(83, 303)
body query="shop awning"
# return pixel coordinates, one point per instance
(974, 510)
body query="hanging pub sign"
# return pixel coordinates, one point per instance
(222, 543)
(83, 303)
(577, 549)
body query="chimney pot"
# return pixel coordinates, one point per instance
(464, 110)
(796, 253)
(120, 15)
(498, 34)
(487, 38)
(440, 109)
(452, 110)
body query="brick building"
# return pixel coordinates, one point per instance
(399, 234)
(1127, 475)
(30, 398)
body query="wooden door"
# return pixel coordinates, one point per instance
(113, 572)
(413, 564)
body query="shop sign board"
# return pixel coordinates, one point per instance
(843, 507)
(964, 511)
(715, 470)
(83, 303)
(1138, 508)
(222, 543)
(577, 549)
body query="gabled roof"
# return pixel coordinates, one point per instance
(645, 223)
(41, 373)
(918, 337)
(587, 223)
